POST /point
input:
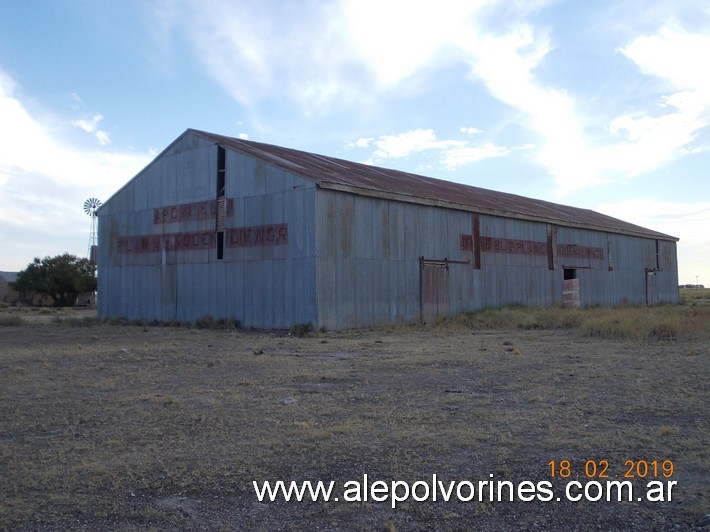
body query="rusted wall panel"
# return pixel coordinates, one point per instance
(261, 281)
(339, 259)
(369, 250)
(514, 264)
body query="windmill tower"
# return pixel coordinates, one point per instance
(90, 207)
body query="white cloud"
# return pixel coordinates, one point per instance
(28, 146)
(75, 101)
(507, 64)
(470, 130)
(452, 153)
(354, 51)
(91, 126)
(398, 38)
(103, 137)
(654, 140)
(44, 181)
(463, 155)
(362, 142)
(674, 55)
(416, 140)
(316, 53)
(261, 50)
(88, 125)
(657, 137)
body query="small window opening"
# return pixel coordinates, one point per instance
(219, 222)
(220, 245)
(570, 273)
(221, 170)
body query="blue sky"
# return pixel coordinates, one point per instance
(602, 105)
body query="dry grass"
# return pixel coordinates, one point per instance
(695, 297)
(664, 322)
(137, 427)
(11, 320)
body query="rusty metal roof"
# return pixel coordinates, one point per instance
(367, 180)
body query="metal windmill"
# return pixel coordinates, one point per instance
(90, 207)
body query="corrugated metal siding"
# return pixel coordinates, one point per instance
(360, 283)
(667, 277)
(368, 258)
(513, 278)
(261, 285)
(351, 260)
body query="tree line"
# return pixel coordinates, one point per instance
(62, 278)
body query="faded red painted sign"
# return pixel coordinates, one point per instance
(491, 244)
(528, 247)
(168, 241)
(257, 235)
(580, 252)
(509, 245)
(466, 242)
(187, 212)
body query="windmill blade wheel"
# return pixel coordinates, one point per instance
(91, 205)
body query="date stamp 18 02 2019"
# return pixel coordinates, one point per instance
(600, 469)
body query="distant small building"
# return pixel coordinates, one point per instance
(275, 237)
(8, 294)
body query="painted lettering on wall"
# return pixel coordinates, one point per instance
(579, 252)
(168, 242)
(529, 247)
(187, 212)
(257, 235)
(238, 237)
(491, 244)
(509, 245)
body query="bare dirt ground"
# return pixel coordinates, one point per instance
(132, 427)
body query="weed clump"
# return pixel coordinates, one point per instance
(219, 324)
(302, 329)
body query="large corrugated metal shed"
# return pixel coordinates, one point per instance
(347, 176)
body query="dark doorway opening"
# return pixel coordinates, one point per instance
(221, 170)
(220, 245)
